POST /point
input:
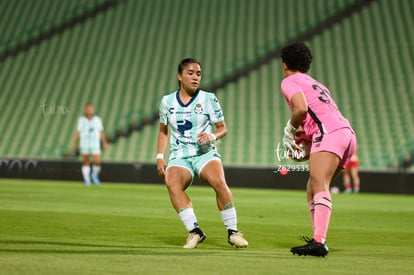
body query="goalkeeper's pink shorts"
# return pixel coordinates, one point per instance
(341, 142)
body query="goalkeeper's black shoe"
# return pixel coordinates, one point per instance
(312, 248)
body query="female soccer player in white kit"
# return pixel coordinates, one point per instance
(189, 114)
(90, 133)
(333, 139)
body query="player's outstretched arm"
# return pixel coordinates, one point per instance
(161, 146)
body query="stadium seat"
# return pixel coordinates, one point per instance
(125, 59)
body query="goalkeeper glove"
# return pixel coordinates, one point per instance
(289, 138)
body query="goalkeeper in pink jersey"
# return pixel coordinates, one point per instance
(333, 139)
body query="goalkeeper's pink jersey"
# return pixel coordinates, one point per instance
(323, 115)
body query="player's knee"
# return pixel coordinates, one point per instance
(175, 185)
(174, 190)
(219, 184)
(318, 182)
(171, 185)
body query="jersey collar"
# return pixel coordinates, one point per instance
(189, 102)
(88, 118)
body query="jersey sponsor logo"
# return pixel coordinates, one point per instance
(172, 111)
(198, 109)
(219, 113)
(91, 130)
(178, 142)
(184, 125)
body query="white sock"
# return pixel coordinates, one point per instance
(229, 218)
(86, 172)
(96, 169)
(189, 219)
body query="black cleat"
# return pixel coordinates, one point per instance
(312, 248)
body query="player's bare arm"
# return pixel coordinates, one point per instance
(104, 141)
(300, 108)
(161, 146)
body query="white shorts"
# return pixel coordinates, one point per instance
(90, 150)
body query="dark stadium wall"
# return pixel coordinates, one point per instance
(398, 182)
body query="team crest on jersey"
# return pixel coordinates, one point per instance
(198, 109)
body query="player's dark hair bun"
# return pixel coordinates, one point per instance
(297, 57)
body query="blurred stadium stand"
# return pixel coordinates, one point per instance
(124, 58)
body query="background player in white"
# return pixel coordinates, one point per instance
(189, 114)
(90, 133)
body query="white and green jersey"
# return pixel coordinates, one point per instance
(186, 121)
(90, 133)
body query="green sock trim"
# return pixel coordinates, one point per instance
(228, 205)
(182, 209)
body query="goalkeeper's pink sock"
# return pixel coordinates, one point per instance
(322, 215)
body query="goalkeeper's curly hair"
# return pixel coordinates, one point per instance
(297, 57)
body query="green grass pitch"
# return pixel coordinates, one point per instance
(52, 227)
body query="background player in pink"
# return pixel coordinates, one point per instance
(333, 139)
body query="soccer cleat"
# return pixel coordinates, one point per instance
(236, 239)
(312, 248)
(95, 180)
(196, 236)
(87, 182)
